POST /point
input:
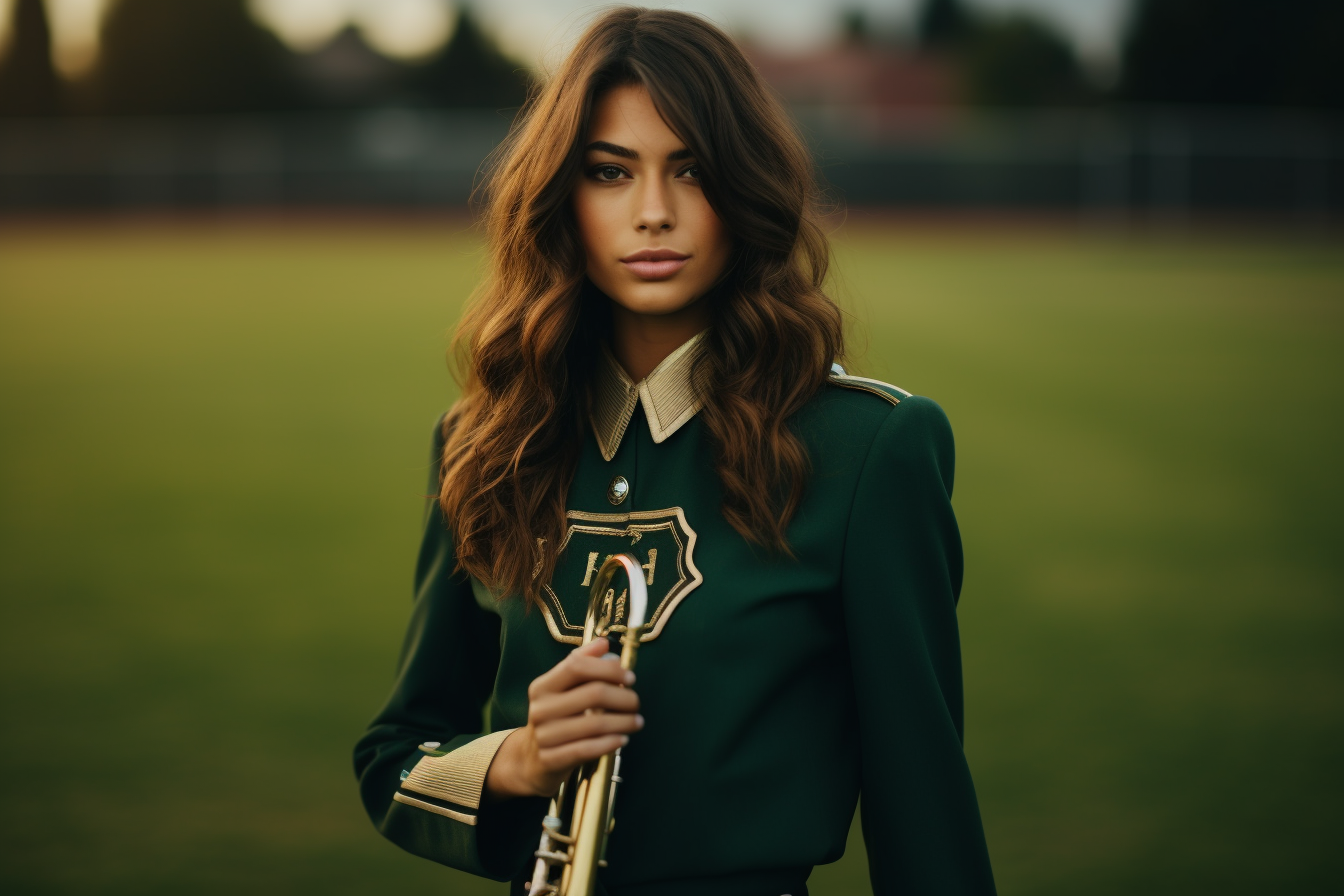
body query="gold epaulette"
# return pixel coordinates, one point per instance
(891, 393)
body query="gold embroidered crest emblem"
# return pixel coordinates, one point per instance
(660, 539)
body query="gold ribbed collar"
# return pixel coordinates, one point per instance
(668, 395)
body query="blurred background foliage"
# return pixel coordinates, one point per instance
(228, 263)
(1236, 52)
(169, 57)
(173, 57)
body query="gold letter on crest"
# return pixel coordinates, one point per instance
(592, 568)
(651, 565)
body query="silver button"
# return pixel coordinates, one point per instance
(618, 489)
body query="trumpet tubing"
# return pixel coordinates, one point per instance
(588, 797)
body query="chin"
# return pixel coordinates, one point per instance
(653, 298)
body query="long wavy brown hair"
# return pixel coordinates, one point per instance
(527, 343)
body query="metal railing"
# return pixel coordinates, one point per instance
(1166, 164)
(1149, 163)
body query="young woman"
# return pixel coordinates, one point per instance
(649, 370)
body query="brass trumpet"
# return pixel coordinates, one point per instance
(567, 863)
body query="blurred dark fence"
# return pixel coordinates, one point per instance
(380, 158)
(1166, 164)
(1162, 163)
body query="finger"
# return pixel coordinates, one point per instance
(575, 728)
(553, 678)
(593, 695)
(603, 668)
(563, 758)
(595, 647)
(577, 669)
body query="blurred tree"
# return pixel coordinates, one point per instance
(1010, 60)
(854, 27)
(28, 82)
(1019, 60)
(471, 70)
(943, 24)
(171, 56)
(1235, 52)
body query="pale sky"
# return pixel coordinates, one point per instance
(535, 31)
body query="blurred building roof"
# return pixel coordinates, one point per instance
(878, 83)
(347, 71)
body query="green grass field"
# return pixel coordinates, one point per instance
(212, 458)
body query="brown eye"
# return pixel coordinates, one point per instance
(692, 172)
(607, 172)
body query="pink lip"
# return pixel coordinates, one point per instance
(655, 264)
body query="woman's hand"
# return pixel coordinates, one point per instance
(561, 733)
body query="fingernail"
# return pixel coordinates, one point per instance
(611, 656)
(639, 721)
(629, 677)
(625, 739)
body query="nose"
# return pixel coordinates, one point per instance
(653, 209)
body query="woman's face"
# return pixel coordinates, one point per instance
(653, 243)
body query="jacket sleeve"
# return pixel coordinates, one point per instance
(428, 799)
(901, 579)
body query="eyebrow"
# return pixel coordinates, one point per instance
(626, 152)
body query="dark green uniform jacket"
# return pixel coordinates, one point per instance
(775, 690)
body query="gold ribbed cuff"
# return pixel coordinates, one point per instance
(431, 807)
(458, 777)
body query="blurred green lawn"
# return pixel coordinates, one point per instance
(213, 453)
